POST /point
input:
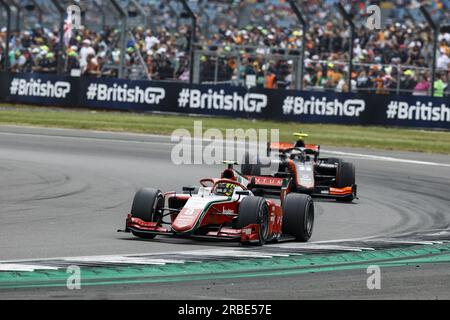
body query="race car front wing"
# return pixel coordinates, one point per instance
(248, 234)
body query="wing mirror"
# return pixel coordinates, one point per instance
(189, 190)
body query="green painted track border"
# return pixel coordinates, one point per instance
(214, 270)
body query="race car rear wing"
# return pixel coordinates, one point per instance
(281, 187)
(267, 185)
(280, 146)
(283, 146)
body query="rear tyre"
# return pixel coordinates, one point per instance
(250, 166)
(146, 206)
(254, 210)
(298, 216)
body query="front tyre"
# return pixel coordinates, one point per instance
(254, 210)
(298, 216)
(346, 177)
(147, 206)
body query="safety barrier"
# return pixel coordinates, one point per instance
(226, 100)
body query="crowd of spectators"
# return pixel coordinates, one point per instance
(90, 52)
(264, 42)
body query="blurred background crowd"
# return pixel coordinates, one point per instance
(257, 38)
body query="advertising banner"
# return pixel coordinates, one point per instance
(228, 101)
(40, 89)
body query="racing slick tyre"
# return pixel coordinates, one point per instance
(298, 216)
(146, 205)
(346, 177)
(254, 210)
(250, 166)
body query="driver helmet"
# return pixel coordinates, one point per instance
(225, 189)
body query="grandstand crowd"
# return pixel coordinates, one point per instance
(394, 59)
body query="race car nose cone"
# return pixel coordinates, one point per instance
(186, 220)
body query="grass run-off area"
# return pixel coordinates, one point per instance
(329, 135)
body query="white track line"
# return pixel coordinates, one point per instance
(123, 260)
(24, 267)
(331, 152)
(386, 159)
(312, 246)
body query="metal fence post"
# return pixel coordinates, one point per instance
(123, 36)
(238, 66)
(301, 68)
(349, 20)
(196, 67)
(192, 40)
(435, 29)
(18, 8)
(60, 54)
(8, 34)
(216, 69)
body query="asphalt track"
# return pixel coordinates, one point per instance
(66, 192)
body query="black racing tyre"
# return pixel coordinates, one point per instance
(298, 216)
(146, 205)
(250, 166)
(345, 175)
(254, 210)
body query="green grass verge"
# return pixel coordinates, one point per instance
(330, 135)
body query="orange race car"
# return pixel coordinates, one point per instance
(298, 168)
